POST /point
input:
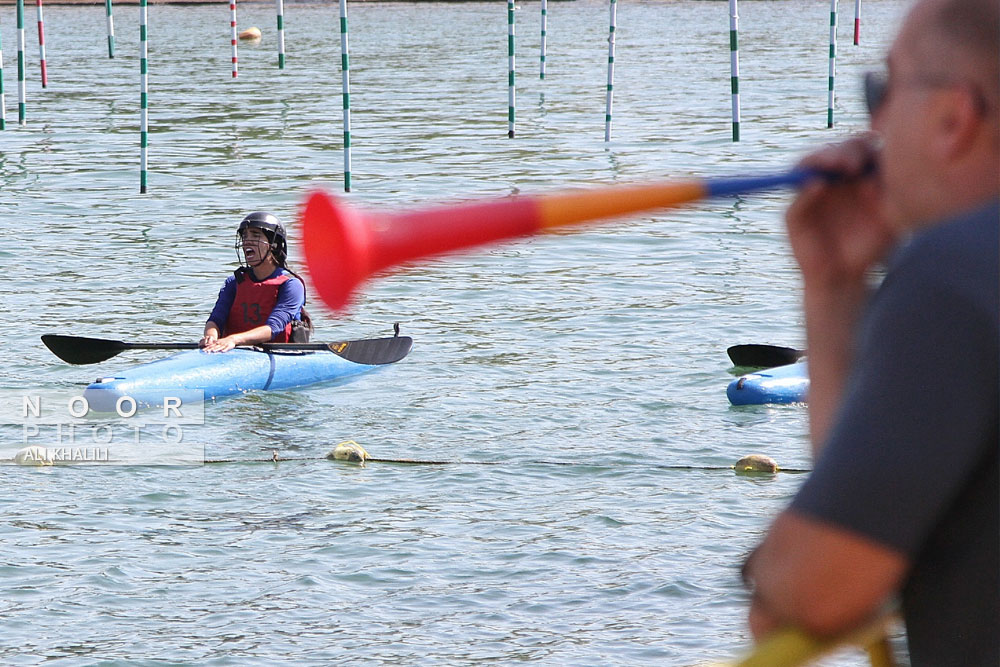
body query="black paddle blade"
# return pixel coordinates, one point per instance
(764, 356)
(80, 350)
(374, 351)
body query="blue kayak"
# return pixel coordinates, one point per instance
(236, 372)
(784, 384)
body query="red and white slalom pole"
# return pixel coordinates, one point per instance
(41, 45)
(232, 25)
(857, 21)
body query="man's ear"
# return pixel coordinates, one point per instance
(958, 121)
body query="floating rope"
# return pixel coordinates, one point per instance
(351, 452)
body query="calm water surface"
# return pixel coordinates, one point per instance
(590, 367)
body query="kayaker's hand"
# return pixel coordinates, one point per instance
(221, 345)
(838, 230)
(208, 339)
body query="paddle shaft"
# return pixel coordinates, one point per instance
(277, 347)
(84, 350)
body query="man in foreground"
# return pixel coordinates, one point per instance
(904, 500)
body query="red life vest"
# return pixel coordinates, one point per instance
(253, 305)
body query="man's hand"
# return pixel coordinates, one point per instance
(838, 229)
(819, 577)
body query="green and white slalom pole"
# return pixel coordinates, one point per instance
(734, 64)
(833, 62)
(345, 68)
(41, 45)
(232, 31)
(510, 69)
(21, 91)
(857, 22)
(281, 34)
(111, 29)
(3, 98)
(143, 97)
(611, 72)
(541, 65)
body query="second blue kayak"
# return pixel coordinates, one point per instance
(784, 384)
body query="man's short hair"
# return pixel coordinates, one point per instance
(973, 26)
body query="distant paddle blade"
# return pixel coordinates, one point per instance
(374, 351)
(81, 350)
(763, 356)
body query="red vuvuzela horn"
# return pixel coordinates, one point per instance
(344, 246)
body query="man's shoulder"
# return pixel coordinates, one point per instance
(959, 254)
(975, 233)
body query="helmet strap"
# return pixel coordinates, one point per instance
(244, 262)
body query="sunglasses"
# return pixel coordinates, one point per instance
(876, 86)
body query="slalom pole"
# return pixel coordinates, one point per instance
(510, 69)
(111, 29)
(611, 72)
(345, 68)
(41, 44)
(21, 90)
(281, 34)
(3, 98)
(232, 30)
(344, 246)
(857, 22)
(609, 97)
(143, 97)
(833, 61)
(734, 64)
(545, 14)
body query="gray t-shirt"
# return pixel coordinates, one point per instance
(912, 460)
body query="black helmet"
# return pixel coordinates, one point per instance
(273, 230)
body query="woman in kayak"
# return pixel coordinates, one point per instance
(262, 302)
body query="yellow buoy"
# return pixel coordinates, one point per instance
(349, 451)
(755, 463)
(250, 33)
(33, 456)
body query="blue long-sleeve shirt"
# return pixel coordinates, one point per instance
(291, 298)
